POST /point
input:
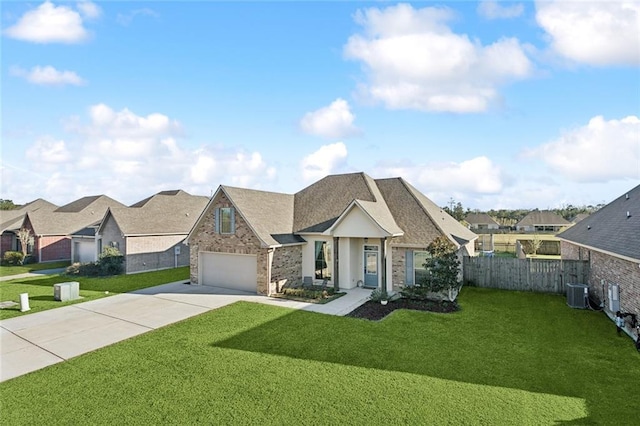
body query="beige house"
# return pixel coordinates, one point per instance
(150, 234)
(12, 220)
(348, 230)
(481, 221)
(542, 221)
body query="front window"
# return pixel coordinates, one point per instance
(226, 220)
(419, 271)
(323, 264)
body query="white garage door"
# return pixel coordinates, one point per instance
(237, 271)
(84, 251)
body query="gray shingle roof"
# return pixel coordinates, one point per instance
(417, 214)
(610, 229)
(72, 217)
(11, 220)
(268, 213)
(167, 212)
(318, 206)
(543, 217)
(393, 204)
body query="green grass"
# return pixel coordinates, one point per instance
(15, 270)
(505, 358)
(40, 290)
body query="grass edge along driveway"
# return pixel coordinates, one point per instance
(40, 289)
(505, 358)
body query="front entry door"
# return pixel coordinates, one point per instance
(370, 269)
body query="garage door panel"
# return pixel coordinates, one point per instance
(236, 271)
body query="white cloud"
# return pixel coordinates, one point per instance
(89, 10)
(595, 33)
(53, 24)
(126, 20)
(333, 121)
(130, 156)
(48, 76)
(415, 61)
(492, 9)
(47, 150)
(325, 161)
(475, 176)
(601, 151)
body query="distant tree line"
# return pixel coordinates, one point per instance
(509, 217)
(8, 205)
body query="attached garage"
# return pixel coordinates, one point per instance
(228, 270)
(84, 251)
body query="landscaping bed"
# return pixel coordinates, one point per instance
(375, 311)
(313, 294)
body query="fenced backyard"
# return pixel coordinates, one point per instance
(538, 275)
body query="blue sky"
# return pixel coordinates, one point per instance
(493, 104)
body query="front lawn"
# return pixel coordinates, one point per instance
(32, 267)
(504, 358)
(40, 290)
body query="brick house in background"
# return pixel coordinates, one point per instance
(150, 233)
(12, 220)
(610, 240)
(346, 230)
(52, 229)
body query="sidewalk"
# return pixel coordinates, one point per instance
(34, 341)
(32, 274)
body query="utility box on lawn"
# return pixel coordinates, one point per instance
(66, 291)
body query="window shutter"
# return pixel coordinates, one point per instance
(408, 274)
(233, 221)
(217, 220)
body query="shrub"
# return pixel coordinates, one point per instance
(111, 261)
(28, 260)
(12, 258)
(378, 295)
(309, 293)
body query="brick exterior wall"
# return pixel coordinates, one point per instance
(154, 259)
(243, 241)
(52, 248)
(611, 269)
(286, 267)
(111, 234)
(398, 263)
(6, 243)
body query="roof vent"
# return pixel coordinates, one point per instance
(588, 227)
(626, 196)
(628, 214)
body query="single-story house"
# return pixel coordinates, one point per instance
(151, 233)
(479, 221)
(346, 230)
(85, 247)
(609, 240)
(11, 221)
(542, 221)
(52, 230)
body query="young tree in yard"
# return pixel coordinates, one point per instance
(534, 245)
(25, 238)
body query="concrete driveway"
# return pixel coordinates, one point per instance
(34, 341)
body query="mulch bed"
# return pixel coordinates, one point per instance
(375, 311)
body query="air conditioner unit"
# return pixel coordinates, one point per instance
(578, 296)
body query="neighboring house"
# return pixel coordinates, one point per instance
(579, 217)
(11, 221)
(150, 234)
(542, 221)
(480, 221)
(52, 230)
(348, 230)
(85, 247)
(610, 240)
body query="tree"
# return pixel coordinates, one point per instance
(534, 245)
(442, 271)
(455, 210)
(25, 238)
(7, 205)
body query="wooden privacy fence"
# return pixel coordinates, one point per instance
(539, 275)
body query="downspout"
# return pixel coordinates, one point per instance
(336, 263)
(384, 263)
(39, 248)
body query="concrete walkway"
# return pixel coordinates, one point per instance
(33, 274)
(34, 341)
